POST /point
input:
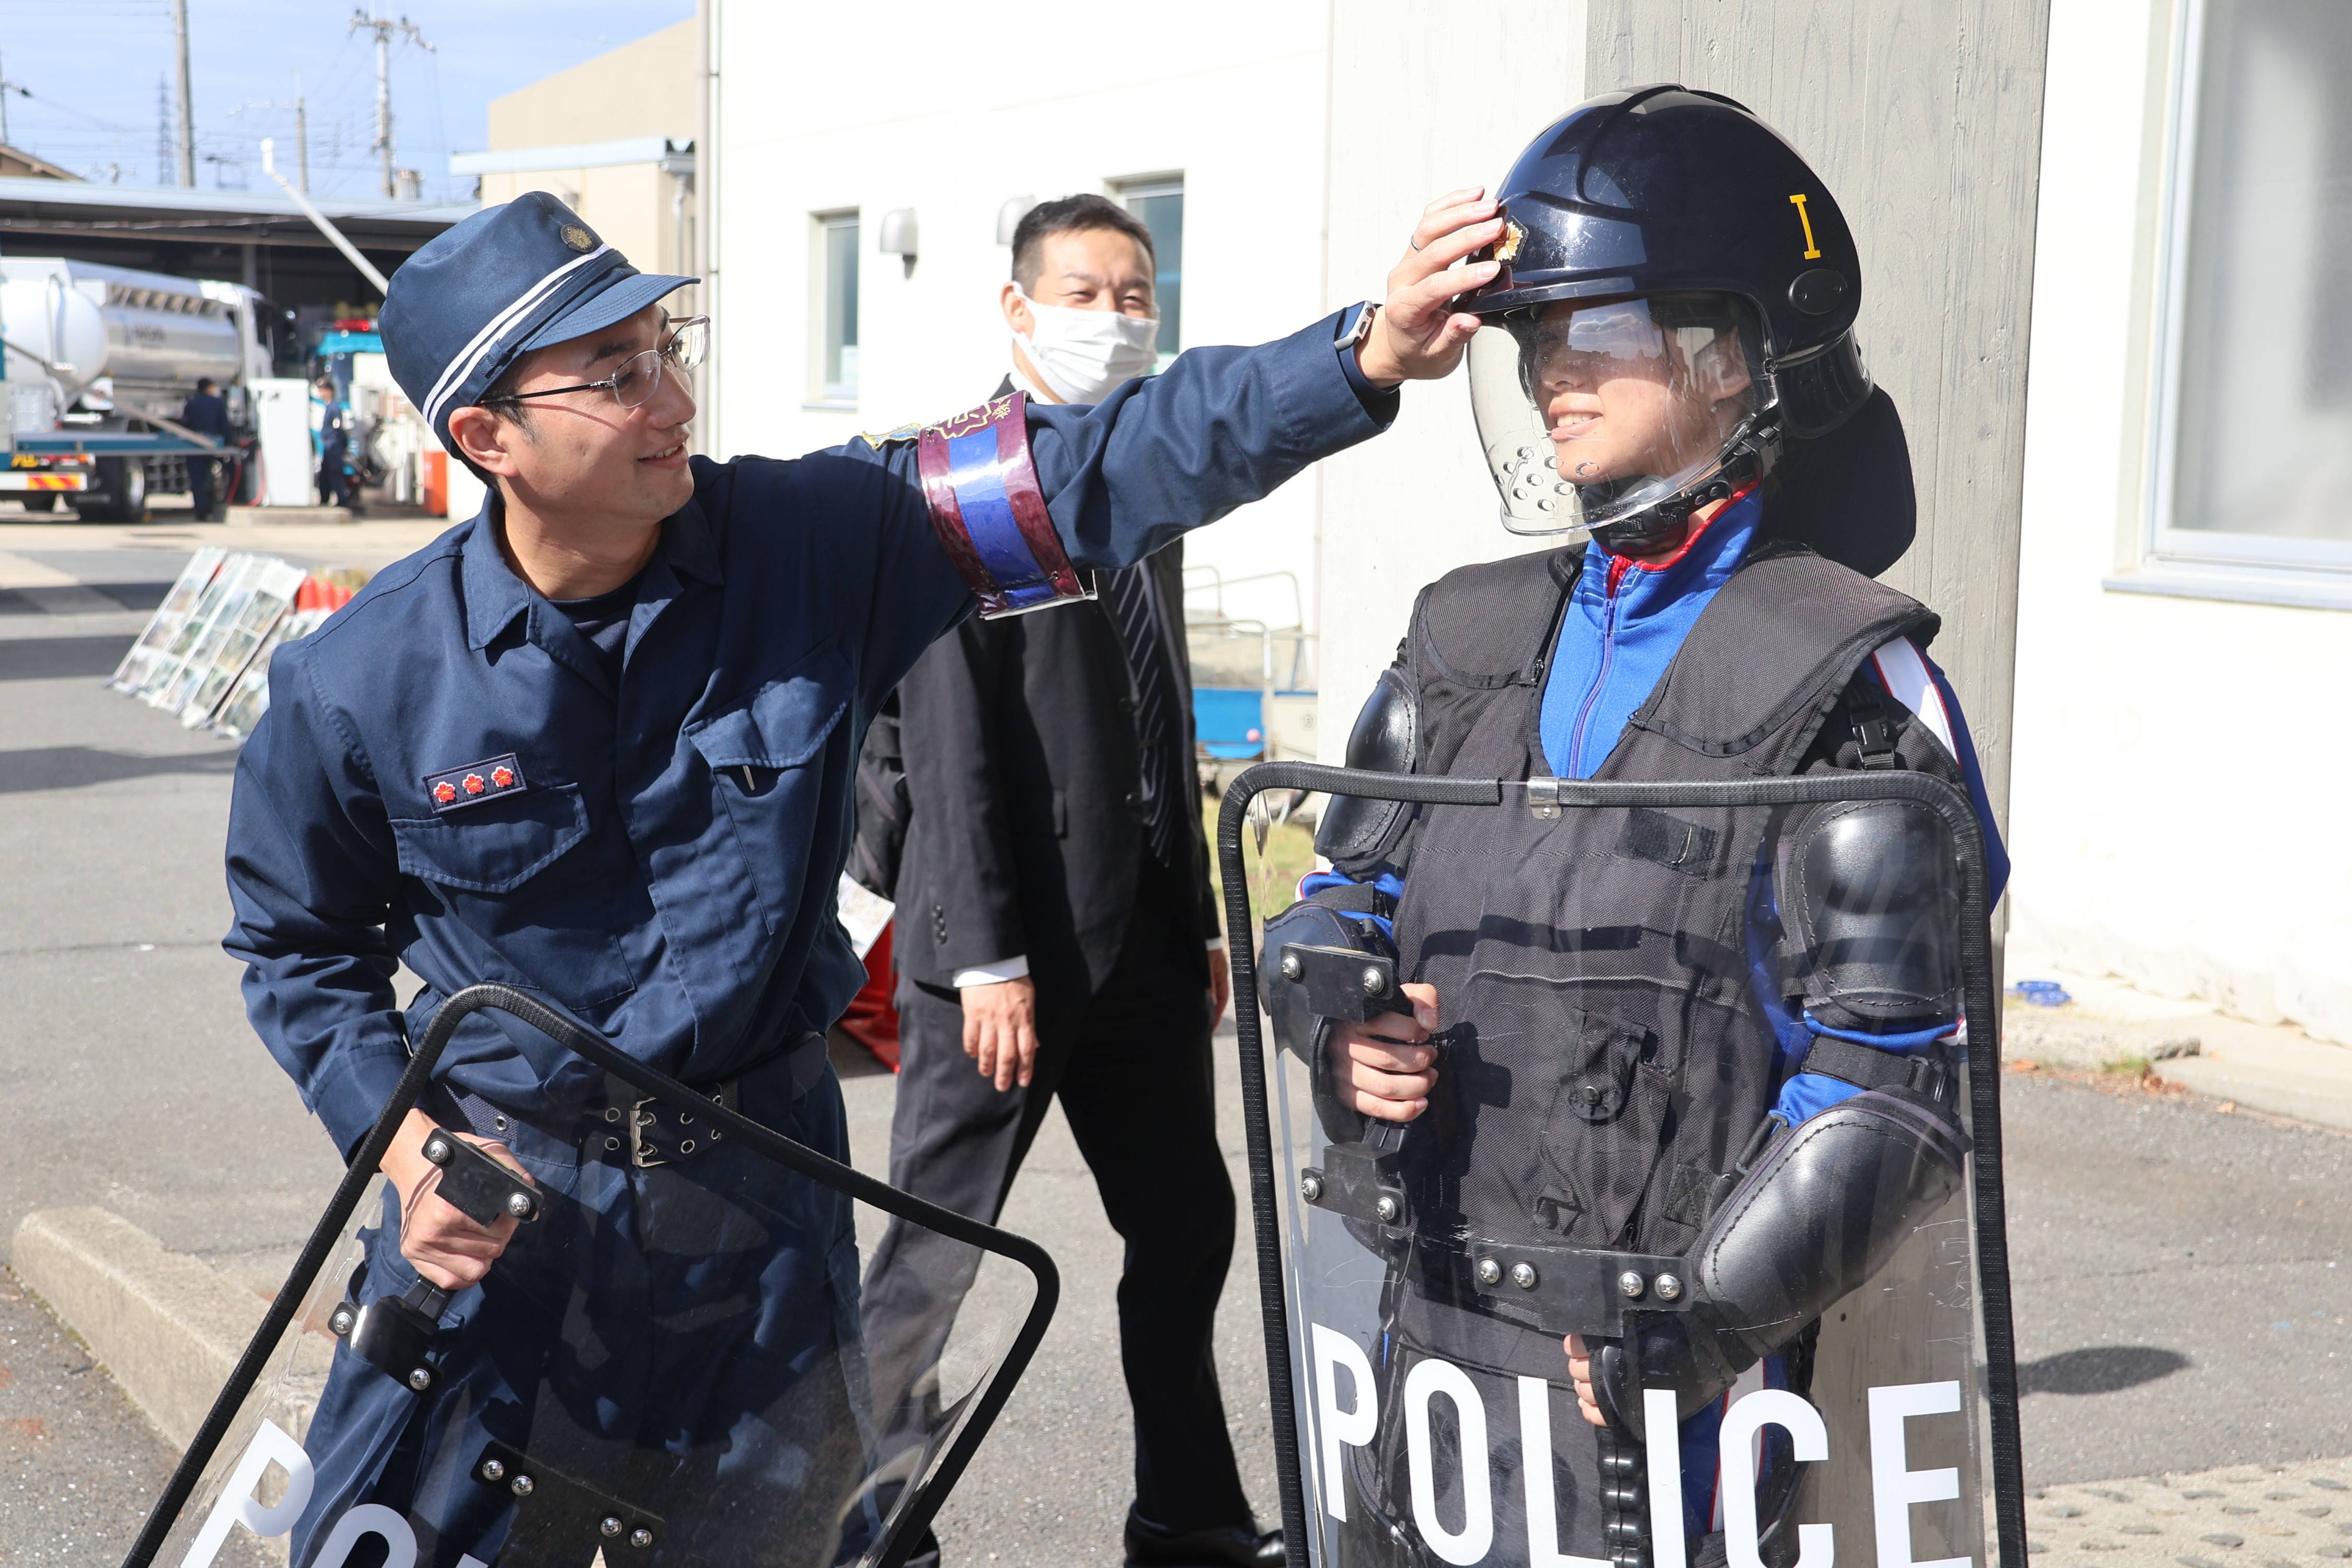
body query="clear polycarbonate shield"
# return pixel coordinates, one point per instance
(1591, 412)
(1696, 1117)
(667, 1364)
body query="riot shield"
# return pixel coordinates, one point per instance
(664, 1365)
(1684, 1110)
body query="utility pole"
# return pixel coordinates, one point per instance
(383, 28)
(187, 106)
(3, 106)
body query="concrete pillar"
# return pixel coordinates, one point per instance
(1925, 118)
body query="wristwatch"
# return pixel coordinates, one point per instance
(1358, 326)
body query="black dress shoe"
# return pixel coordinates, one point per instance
(1150, 1545)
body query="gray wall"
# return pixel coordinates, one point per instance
(1925, 118)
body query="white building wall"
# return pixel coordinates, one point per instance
(2178, 777)
(961, 112)
(1401, 511)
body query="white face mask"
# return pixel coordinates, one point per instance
(1082, 356)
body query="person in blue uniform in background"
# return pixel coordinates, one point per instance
(207, 412)
(598, 742)
(334, 445)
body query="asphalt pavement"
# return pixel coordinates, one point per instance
(2182, 1273)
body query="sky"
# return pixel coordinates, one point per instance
(91, 68)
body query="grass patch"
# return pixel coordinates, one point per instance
(1274, 875)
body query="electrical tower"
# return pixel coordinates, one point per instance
(162, 132)
(384, 28)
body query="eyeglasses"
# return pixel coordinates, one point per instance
(640, 374)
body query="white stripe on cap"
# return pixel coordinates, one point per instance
(1903, 673)
(470, 357)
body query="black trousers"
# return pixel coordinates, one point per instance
(334, 483)
(202, 474)
(1131, 1066)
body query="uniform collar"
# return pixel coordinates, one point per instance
(494, 596)
(1703, 564)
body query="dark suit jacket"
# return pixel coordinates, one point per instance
(1024, 831)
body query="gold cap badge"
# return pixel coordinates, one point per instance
(578, 238)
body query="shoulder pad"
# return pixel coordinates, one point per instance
(1483, 624)
(1783, 633)
(1357, 832)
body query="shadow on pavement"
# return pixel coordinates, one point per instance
(76, 767)
(58, 659)
(129, 596)
(2098, 1369)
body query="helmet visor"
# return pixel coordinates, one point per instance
(1593, 413)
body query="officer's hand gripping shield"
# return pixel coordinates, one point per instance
(665, 1365)
(1792, 1286)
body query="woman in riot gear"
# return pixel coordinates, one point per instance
(1695, 1061)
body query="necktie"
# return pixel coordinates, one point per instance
(1156, 728)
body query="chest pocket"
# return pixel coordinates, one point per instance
(506, 871)
(762, 753)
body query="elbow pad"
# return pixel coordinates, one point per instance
(1356, 834)
(1817, 1216)
(1870, 894)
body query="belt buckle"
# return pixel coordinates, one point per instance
(645, 1115)
(641, 1116)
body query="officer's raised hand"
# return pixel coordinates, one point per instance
(1417, 334)
(443, 1245)
(1386, 1068)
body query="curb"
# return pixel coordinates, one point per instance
(2274, 1068)
(166, 1327)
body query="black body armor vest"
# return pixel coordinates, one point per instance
(1604, 1059)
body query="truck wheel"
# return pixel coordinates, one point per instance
(123, 482)
(40, 501)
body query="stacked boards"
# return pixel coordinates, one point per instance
(205, 656)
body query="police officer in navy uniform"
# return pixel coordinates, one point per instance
(207, 412)
(598, 742)
(1625, 1021)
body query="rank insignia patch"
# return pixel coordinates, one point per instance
(495, 778)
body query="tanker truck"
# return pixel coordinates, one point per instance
(99, 362)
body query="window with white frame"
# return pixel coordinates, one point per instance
(2254, 458)
(1160, 204)
(836, 258)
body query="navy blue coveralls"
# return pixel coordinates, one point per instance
(664, 867)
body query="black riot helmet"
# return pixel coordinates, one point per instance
(1677, 296)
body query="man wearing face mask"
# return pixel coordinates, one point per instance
(1058, 936)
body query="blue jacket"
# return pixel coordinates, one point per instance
(663, 864)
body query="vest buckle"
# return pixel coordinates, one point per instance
(1543, 798)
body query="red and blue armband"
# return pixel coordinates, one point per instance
(990, 514)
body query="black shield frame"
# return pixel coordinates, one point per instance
(1981, 1008)
(909, 1520)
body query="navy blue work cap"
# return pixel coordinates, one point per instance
(511, 278)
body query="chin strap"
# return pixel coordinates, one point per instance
(1749, 455)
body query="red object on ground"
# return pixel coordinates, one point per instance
(871, 1020)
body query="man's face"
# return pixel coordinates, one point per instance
(1623, 397)
(1086, 270)
(581, 456)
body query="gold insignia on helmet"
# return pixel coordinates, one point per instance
(1514, 236)
(578, 238)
